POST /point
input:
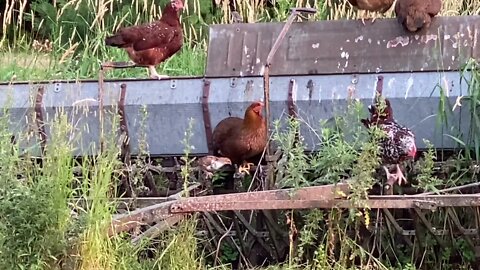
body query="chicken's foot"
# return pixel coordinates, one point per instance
(245, 168)
(399, 176)
(396, 177)
(365, 16)
(154, 74)
(208, 175)
(391, 178)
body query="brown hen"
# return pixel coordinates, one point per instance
(372, 5)
(241, 139)
(416, 14)
(151, 44)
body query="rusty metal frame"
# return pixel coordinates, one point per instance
(206, 116)
(163, 210)
(374, 202)
(266, 80)
(101, 113)
(325, 197)
(125, 140)
(39, 117)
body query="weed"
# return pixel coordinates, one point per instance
(426, 180)
(34, 213)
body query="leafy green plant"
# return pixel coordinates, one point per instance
(34, 213)
(426, 180)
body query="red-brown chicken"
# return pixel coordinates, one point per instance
(398, 144)
(241, 139)
(372, 5)
(416, 14)
(151, 44)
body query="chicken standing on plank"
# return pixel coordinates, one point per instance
(399, 143)
(241, 139)
(372, 5)
(416, 14)
(151, 44)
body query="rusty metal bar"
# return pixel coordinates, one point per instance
(457, 188)
(266, 82)
(288, 23)
(390, 220)
(39, 118)
(101, 113)
(119, 65)
(158, 228)
(374, 202)
(206, 116)
(146, 215)
(160, 211)
(140, 217)
(125, 140)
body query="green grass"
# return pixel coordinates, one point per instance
(22, 66)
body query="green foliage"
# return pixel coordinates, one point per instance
(292, 168)
(34, 214)
(473, 105)
(426, 180)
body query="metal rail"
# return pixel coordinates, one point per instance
(326, 197)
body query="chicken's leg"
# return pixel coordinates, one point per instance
(396, 177)
(391, 178)
(365, 16)
(154, 74)
(399, 176)
(245, 168)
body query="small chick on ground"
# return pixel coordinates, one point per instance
(207, 166)
(211, 164)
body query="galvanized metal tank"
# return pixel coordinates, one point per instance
(317, 68)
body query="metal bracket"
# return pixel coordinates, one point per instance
(206, 116)
(57, 88)
(292, 107)
(310, 88)
(233, 82)
(379, 87)
(173, 83)
(39, 118)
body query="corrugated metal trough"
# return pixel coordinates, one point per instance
(322, 63)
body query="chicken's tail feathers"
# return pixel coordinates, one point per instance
(115, 41)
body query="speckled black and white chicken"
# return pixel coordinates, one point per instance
(397, 145)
